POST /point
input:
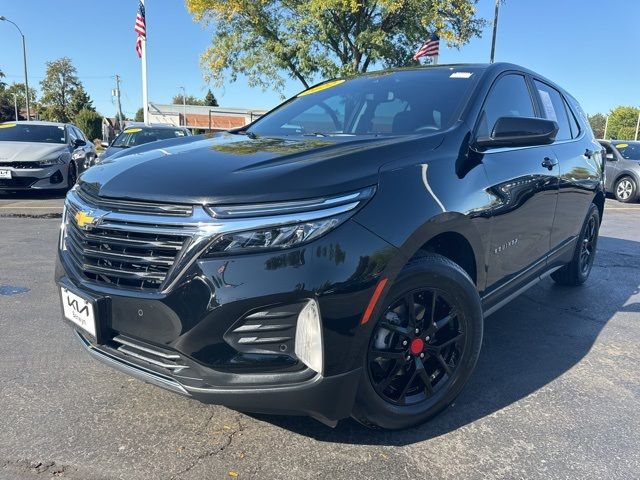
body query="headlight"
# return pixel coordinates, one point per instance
(50, 161)
(284, 224)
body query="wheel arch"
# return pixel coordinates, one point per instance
(454, 236)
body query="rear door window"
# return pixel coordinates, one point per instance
(553, 108)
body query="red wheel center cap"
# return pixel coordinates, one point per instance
(416, 346)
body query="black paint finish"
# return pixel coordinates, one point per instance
(516, 209)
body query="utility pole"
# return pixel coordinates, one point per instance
(184, 105)
(637, 126)
(606, 126)
(495, 31)
(116, 93)
(15, 105)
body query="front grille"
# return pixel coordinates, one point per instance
(122, 254)
(20, 165)
(18, 182)
(88, 193)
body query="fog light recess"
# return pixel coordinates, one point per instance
(308, 346)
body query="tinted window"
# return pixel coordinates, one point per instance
(19, 132)
(509, 97)
(133, 137)
(398, 103)
(628, 150)
(575, 128)
(72, 134)
(553, 109)
(80, 134)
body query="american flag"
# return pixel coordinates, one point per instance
(140, 28)
(430, 48)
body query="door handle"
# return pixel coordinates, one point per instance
(549, 163)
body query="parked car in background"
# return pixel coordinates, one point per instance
(622, 169)
(337, 256)
(42, 155)
(135, 135)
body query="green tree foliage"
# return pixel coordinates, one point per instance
(267, 40)
(139, 115)
(58, 86)
(90, 122)
(597, 123)
(190, 100)
(6, 107)
(210, 99)
(80, 100)
(622, 123)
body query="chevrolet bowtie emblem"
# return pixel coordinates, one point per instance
(84, 220)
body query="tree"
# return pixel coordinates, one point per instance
(622, 123)
(190, 100)
(90, 122)
(597, 122)
(139, 115)
(58, 85)
(210, 99)
(303, 39)
(6, 107)
(80, 100)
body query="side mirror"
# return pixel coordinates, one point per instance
(520, 132)
(611, 157)
(104, 144)
(79, 143)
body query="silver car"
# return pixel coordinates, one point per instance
(42, 155)
(622, 170)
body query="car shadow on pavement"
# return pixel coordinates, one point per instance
(527, 345)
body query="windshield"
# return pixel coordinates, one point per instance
(630, 150)
(388, 103)
(133, 137)
(20, 132)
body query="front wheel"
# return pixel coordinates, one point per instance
(577, 271)
(626, 190)
(424, 346)
(72, 176)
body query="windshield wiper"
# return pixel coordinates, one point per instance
(315, 134)
(249, 134)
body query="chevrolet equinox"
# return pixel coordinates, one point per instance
(336, 257)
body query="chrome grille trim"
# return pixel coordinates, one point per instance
(86, 193)
(178, 237)
(154, 356)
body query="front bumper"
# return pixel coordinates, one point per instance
(194, 319)
(47, 178)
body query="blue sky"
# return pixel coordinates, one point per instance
(589, 47)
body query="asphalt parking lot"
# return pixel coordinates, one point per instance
(556, 393)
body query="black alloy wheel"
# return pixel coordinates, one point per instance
(577, 271)
(423, 346)
(416, 347)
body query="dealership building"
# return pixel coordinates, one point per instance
(202, 117)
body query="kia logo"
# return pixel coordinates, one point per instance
(76, 306)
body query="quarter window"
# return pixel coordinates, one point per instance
(509, 97)
(575, 127)
(553, 108)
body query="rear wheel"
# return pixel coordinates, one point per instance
(626, 189)
(577, 271)
(424, 346)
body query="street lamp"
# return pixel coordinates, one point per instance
(184, 105)
(24, 56)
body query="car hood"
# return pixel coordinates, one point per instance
(28, 152)
(233, 168)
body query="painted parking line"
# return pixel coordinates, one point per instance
(621, 208)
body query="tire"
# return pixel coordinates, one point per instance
(423, 383)
(577, 271)
(626, 189)
(72, 176)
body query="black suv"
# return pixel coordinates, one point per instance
(339, 255)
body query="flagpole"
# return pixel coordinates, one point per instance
(435, 60)
(145, 98)
(495, 31)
